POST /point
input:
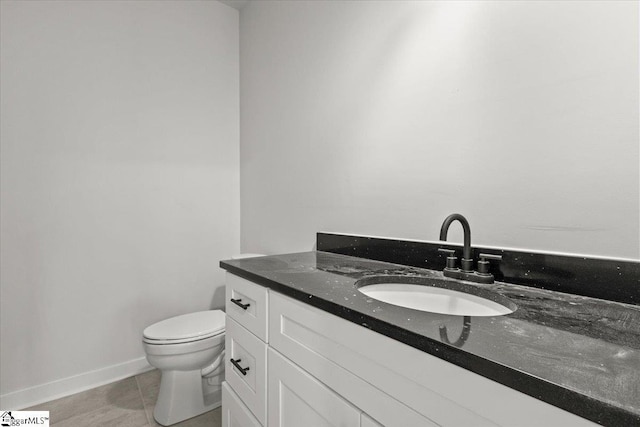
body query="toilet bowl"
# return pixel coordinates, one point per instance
(189, 352)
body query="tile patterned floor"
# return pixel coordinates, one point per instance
(126, 403)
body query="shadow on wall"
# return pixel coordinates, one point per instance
(218, 300)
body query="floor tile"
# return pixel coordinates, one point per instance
(149, 384)
(123, 395)
(208, 419)
(107, 416)
(125, 403)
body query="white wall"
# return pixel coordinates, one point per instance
(120, 181)
(384, 117)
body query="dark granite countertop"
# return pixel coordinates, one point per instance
(579, 353)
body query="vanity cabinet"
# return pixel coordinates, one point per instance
(322, 370)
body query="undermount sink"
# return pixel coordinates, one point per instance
(436, 296)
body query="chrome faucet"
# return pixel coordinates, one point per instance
(466, 263)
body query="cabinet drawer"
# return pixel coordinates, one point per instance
(249, 305)
(248, 376)
(234, 412)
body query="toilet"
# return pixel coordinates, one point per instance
(189, 352)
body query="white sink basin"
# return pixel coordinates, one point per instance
(434, 299)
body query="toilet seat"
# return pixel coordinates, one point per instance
(186, 328)
(179, 341)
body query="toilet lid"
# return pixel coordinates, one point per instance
(192, 325)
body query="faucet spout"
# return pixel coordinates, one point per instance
(465, 272)
(466, 250)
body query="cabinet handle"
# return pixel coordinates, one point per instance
(236, 363)
(239, 304)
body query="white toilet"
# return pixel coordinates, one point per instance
(189, 352)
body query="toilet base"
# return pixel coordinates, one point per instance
(181, 397)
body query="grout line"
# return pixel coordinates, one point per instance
(144, 406)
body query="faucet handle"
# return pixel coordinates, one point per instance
(485, 257)
(451, 252)
(451, 258)
(483, 264)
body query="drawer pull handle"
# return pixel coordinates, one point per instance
(239, 304)
(236, 363)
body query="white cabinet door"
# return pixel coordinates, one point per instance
(298, 399)
(234, 412)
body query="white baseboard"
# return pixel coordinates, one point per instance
(71, 385)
